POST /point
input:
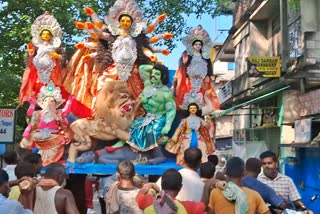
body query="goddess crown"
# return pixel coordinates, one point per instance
(46, 22)
(125, 7)
(192, 97)
(202, 35)
(50, 91)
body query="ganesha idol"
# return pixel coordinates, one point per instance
(48, 128)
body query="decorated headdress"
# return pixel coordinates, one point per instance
(50, 91)
(125, 7)
(49, 23)
(192, 97)
(202, 35)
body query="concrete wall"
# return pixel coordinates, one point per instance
(241, 119)
(310, 27)
(224, 126)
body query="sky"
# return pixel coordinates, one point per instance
(212, 26)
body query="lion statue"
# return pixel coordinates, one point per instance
(114, 110)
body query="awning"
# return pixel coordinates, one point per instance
(249, 102)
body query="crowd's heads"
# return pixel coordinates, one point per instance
(171, 180)
(35, 160)
(10, 157)
(4, 184)
(235, 167)
(24, 169)
(192, 157)
(138, 181)
(213, 159)
(268, 154)
(269, 160)
(269, 164)
(125, 170)
(207, 170)
(253, 165)
(56, 171)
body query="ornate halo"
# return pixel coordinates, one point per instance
(125, 7)
(192, 97)
(46, 22)
(50, 91)
(201, 34)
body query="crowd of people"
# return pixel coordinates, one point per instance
(239, 188)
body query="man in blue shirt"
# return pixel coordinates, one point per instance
(9, 206)
(253, 169)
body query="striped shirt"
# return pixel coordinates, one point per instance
(282, 185)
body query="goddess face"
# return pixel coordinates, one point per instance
(45, 35)
(193, 109)
(125, 22)
(197, 46)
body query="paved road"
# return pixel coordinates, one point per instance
(96, 205)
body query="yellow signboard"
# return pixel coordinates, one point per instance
(213, 54)
(261, 66)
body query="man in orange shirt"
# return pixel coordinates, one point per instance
(234, 198)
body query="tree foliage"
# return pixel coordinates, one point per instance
(16, 18)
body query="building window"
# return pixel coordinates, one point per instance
(294, 28)
(231, 66)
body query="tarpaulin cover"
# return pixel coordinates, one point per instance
(111, 168)
(306, 175)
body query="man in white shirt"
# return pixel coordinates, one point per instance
(9, 206)
(11, 159)
(281, 184)
(192, 185)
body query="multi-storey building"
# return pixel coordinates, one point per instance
(275, 95)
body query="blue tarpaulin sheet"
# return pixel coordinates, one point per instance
(157, 169)
(306, 175)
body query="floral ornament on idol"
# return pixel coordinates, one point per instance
(202, 35)
(50, 91)
(192, 97)
(49, 23)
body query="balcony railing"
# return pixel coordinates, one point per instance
(294, 29)
(225, 93)
(295, 38)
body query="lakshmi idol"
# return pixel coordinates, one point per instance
(44, 60)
